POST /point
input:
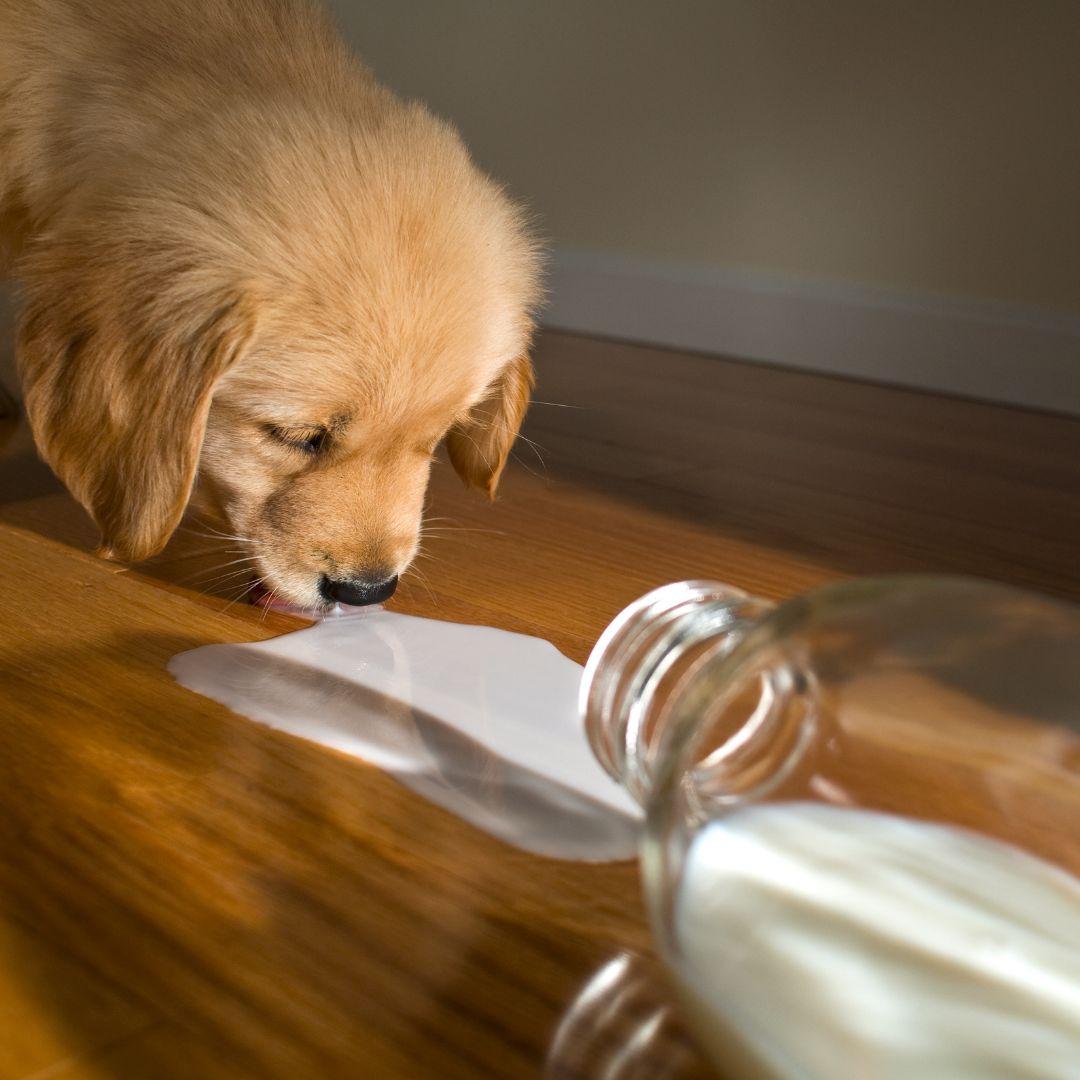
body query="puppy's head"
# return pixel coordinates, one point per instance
(299, 328)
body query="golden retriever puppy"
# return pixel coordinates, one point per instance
(240, 257)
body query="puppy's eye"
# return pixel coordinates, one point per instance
(310, 440)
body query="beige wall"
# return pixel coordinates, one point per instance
(927, 146)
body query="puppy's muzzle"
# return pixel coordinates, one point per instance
(358, 591)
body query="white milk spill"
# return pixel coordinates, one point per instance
(825, 942)
(480, 721)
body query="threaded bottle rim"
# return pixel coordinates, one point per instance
(635, 660)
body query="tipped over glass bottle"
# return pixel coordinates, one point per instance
(863, 821)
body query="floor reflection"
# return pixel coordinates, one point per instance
(624, 1025)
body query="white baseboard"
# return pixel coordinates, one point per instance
(997, 352)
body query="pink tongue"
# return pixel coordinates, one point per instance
(258, 595)
(261, 598)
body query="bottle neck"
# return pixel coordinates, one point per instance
(642, 662)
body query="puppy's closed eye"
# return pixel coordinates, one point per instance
(308, 440)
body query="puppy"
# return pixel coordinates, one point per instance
(240, 257)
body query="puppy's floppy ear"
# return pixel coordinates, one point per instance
(118, 404)
(480, 444)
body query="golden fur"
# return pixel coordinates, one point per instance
(229, 239)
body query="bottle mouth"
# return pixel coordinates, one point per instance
(646, 652)
(658, 675)
(749, 737)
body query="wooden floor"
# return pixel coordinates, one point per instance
(187, 894)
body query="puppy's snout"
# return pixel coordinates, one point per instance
(358, 591)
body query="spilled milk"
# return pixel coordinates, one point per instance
(482, 722)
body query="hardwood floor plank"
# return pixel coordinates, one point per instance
(34, 1037)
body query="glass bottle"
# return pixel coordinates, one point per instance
(862, 833)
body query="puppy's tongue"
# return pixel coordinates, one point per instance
(260, 597)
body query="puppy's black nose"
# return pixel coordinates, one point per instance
(357, 592)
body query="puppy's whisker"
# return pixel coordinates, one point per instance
(528, 469)
(203, 523)
(199, 577)
(198, 519)
(557, 404)
(422, 578)
(449, 539)
(268, 603)
(217, 536)
(185, 556)
(453, 526)
(240, 559)
(535, 447)
(421, 553)
(239, 553)
(445, 533)
(231, 576)
(224, 571)
(216, 533)
(240, 596)
(225, 566)
(225, 581)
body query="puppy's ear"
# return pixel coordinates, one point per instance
(480, 444)
(119, 410)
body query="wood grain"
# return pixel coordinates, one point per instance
(184, 893)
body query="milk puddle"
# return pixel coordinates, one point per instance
(479, 721)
